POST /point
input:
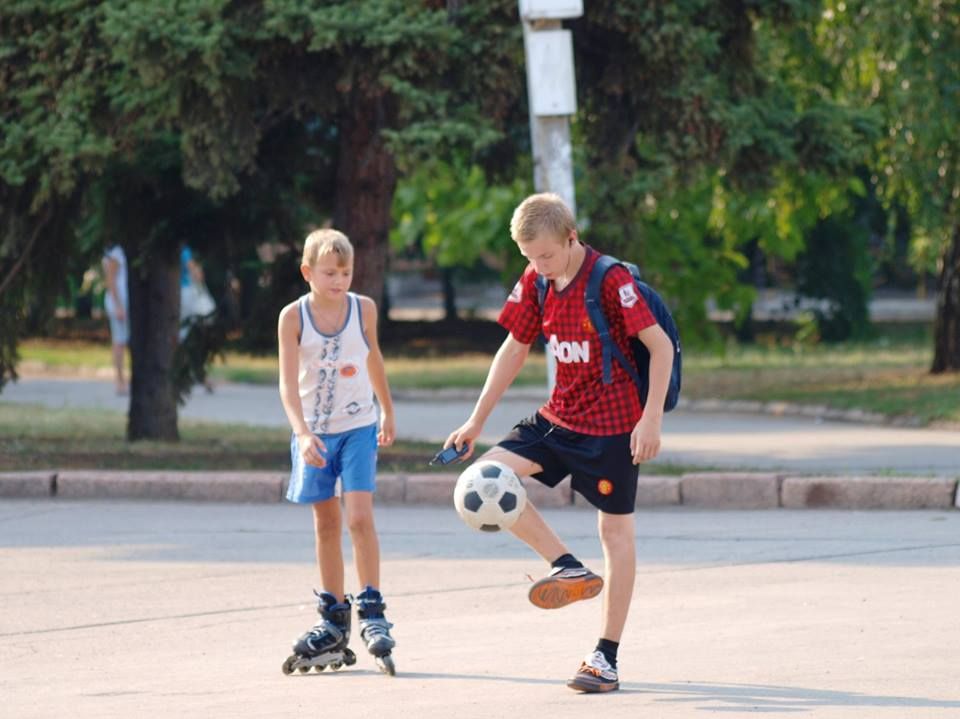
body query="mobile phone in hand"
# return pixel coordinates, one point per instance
(450, 454)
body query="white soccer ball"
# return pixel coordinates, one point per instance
(489, 496)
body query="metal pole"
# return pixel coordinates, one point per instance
(551, 96)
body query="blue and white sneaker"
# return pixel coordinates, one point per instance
(595, 675)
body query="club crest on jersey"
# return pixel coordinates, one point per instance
(628, 295)
(569, 352)
(516, 294)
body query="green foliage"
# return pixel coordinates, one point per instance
(707, 129)
(217, 123)
(453, 215)
(903, 60)
(835, 266)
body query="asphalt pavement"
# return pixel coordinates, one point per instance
(129, 609)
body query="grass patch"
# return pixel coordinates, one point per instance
(884, 376)
(461, 371)
(466, 371)
(33, 438)
(38, 438)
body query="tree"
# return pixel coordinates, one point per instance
(173, 120)
(903, 60)
(456, 216)
(707, 128)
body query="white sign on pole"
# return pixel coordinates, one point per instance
(553, 88)
(550, 9)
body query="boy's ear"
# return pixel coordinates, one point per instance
(305, 272)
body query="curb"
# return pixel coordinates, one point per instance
(702, 490)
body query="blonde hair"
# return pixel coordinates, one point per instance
(321, 243)
(541, 213)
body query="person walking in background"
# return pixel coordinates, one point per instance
(195, 300)
(117, 307)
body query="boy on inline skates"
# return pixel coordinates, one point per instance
(330, 369)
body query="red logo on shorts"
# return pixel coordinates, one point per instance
(348, 371)
(605, 487)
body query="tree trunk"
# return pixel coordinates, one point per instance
(946, 332)
(449, 295)
(366, 179)
(154, 286)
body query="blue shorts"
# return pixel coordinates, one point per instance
(351, 456)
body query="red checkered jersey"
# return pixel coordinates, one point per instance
(580, 400)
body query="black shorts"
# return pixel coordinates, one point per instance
(601, 468)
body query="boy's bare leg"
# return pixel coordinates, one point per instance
(363, 532)
(118, 357)
(620, 562)
(565, 583)
(329, 527)
(531, 527)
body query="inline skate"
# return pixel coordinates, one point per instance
(375, 629)
(325, 644)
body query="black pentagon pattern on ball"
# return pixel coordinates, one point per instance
(508, 502)
(491, 471)
(489, 527)
(472, 501)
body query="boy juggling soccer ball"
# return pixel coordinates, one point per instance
(330, 369)
(595, 431)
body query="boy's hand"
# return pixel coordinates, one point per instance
(467, 434)
(311, 449)
(645, 439)
(388, 430)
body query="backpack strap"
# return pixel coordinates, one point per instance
(542, 285)
(593, 299)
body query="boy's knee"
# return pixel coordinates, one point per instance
(616, 529)
(360, 523)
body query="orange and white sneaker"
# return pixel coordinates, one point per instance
(595, 675)
(565, 585)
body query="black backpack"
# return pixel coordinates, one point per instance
(640, 353)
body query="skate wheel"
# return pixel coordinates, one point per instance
(386, 665)
(349, 658)
(304, 670)
(320, 667)
(335, 666)
(288, 665)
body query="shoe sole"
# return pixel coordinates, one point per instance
(551, 593)
(592, 687)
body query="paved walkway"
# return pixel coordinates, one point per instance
(127, 609)
(715, 440)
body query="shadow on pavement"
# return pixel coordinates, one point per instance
(769, 699)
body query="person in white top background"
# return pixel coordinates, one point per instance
(118, 311)
(330, 369)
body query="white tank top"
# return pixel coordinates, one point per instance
(335, 388)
